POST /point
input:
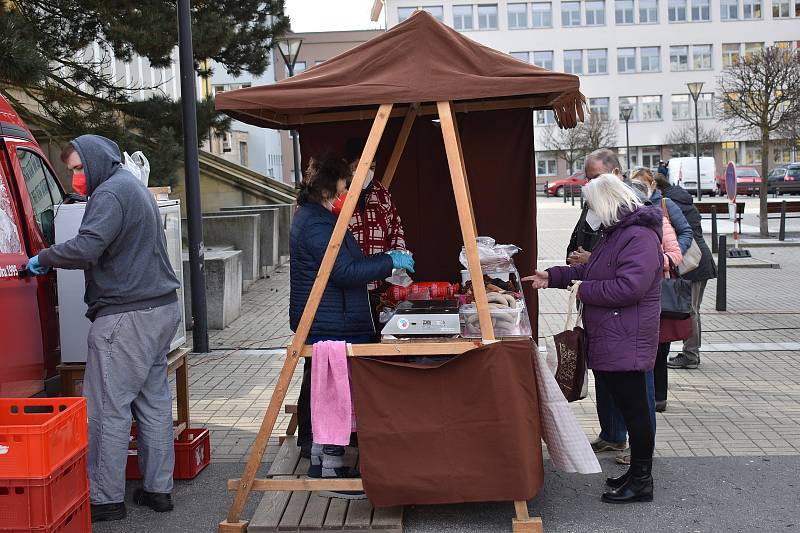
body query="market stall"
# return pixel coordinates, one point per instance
(449, 121)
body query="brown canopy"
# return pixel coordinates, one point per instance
(420, 60)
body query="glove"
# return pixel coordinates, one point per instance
(401, 259)
(35, 268)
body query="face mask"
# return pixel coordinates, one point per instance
(338, 204)
(593, 219)
(79, 183)
(370, 175)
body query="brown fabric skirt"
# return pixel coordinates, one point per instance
(463, 430)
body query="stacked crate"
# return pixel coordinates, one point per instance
(44, 485)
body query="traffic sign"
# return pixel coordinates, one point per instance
(730, 181)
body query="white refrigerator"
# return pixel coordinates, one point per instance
(72, 319)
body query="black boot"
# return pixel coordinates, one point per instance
(105, 512)
(160, 502)
(637, 488)
(617, 482)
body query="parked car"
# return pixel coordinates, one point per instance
(748, 181)
(29, 196)
(776, 177)
(683, 172)
(560, 186)
(791, 181)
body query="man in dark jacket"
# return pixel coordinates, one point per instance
(690, 356)
(133, 305)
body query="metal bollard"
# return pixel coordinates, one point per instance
(572, 195)
(547, 189)
(564, 193)
(581, 200)
(722, 275)
(713, 229)
(782, 231)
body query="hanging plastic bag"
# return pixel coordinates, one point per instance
(400, 276)
(138, 165)
(493, 257)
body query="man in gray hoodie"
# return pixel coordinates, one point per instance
(133, 306)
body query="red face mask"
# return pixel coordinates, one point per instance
(338, 204)
(79, 183)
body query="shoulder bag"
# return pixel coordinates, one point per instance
(569, 348)
(692, 256)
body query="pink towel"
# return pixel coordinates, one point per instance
(331, 405)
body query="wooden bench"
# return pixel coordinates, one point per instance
(715, 208)
(784, 209)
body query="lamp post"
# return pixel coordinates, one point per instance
(290, 49)
(694, 90)
(626, 112)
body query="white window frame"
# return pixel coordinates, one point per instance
(681, 102)
(676, 8)
(460, 17)
(409, 9)
(548, 15)
(433, 7)
(728, 8)
(567, 22)
(634, 105)
(650, 10)
(485, 20)
(680, 51)
(550, 165)
(703, 7)
(752, 6)
(645, 101)
(596, 16)
(547, 64)
(603, 110)
(650, 67)
(516, 16)
(627, 60)
(597, 61)
(521, 56)
(544, 117)
(777, 7)
(626, 13)
(709, 56)
(572, 60)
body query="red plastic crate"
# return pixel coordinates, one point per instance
(77, 520)
(40, 502)
(192, 455)
(38, 435)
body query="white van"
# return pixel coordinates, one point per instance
(683, 172)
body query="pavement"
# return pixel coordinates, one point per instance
(728, 446)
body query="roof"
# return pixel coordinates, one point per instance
(418, 61)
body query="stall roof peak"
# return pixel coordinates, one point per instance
(420, 60)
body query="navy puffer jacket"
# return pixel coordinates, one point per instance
(344, 310)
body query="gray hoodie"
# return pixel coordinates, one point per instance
(121, 244)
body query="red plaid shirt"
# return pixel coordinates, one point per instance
(376, 224)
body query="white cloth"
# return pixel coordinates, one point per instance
(567, 444)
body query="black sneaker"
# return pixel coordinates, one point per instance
(106, 512)
(683, 361)
(160, 502)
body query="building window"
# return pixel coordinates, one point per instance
(783, 45)
(797, 8)
(628, 101)
(678, 58)
(570, 13)
(730, 54)
(462, 17)
(651, 107)
(544, 117)
(752, 154)
(599, 107)
(752, 48)
(648, 11)
(404, 12)
(546, 166)
(650, 58)
(751, 9)
(729, 9)
(598, 61)
(243, 153)
(595, 13)
(487, 17)
(701, 57)
(436, 11)
(780, 9)
(677, 10)
(522, 56)
(701, 10)
(705, 105)
(573, 61)
(626, 60)
(651, 155)
(542, 14)
(680, 107)
(623, 12)
(543, 59)
(517, 16)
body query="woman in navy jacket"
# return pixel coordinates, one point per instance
(344, 312)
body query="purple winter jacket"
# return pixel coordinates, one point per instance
(621, 293)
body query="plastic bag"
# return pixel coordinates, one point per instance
(400, 276)
(138, 165)
(493, 256)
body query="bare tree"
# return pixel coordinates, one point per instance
(565, 143)
(598, 132)
(759, 96)
(681, 139)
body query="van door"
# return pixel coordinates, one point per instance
(21, 349)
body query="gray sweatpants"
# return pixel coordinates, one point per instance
(691, 346)
(126, 372)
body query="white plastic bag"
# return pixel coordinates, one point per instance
(400, 276)
(493, 257)
(138, 165)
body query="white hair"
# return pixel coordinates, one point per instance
(607, 196)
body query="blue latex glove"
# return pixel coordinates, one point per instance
(35, 268)
(401, 259)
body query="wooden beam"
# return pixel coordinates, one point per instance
(465, 217)
(290, 362)
(309, 484)
(523, 523)
(399, 146)
(406, 348)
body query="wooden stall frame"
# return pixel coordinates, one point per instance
(523, 523)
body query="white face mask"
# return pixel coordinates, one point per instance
(368, 180)
(593, 219)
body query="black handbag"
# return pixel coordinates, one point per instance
(676, 298)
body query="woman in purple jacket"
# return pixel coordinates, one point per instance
(621, 294)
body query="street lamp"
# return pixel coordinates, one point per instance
(290, 49)
(694, 90)
(626, 112)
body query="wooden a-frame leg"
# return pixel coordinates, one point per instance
(523, 523)
(290, 363)
(464, 170)
(465, 216)
(399, 146)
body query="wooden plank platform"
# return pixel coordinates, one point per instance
(308, 511)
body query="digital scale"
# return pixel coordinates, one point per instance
(424, 318)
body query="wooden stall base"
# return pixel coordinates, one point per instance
(530, 525)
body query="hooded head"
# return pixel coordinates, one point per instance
(100, 158)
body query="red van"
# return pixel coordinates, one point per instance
(30, 195)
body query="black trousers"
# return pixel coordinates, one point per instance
(660, 376)
(304, 434)
(629, 391)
